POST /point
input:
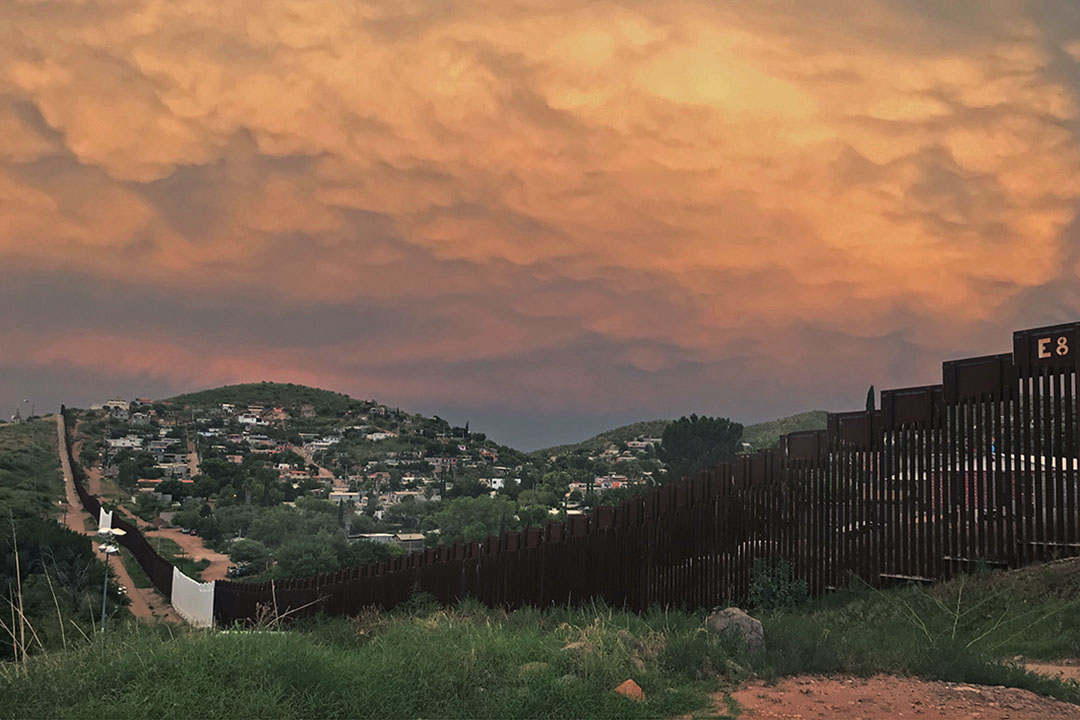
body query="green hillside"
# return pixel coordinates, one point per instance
(287, 395)
(767, 434)
(760, 436)
(647, 428)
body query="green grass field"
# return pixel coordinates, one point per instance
(470, 661)
(30, 479)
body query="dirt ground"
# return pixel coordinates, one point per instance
(1064, 669)
(884, 697)
(194, 547)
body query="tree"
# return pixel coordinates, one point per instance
(693, 443)
(870, 397)
(474, 518)
(250, 551)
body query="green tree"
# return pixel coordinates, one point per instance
(870, 398)
(474, 518)
(246, 550)
(694, 443)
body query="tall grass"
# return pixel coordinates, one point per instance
(462, 662)
(971, 629)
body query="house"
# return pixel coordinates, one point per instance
(345, 496)
(381, 435)
(175, 470)
(410, 542)
(131, 442)
(381, 538)
(398, 496)
(117, 403)
(235, 459)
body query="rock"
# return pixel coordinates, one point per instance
(735, 621)
(631, 690)
(530, 668)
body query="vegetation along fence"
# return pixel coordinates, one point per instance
(979, 470)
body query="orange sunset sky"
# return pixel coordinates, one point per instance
(543, 217)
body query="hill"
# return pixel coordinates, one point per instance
(647, 428)
(760, 436)
(767, 434)
(286, 395)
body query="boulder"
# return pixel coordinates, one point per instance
(747, 629)
(631, 690)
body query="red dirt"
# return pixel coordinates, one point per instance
(146, 603)
(1063, 669)
(194, 547)
(884, 697)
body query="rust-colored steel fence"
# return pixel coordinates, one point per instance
(980, 470)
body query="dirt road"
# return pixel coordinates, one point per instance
(146, 603)
(195, 548)
(884, 697)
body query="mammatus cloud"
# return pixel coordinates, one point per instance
(589, 208)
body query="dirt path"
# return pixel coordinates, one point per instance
(884, 697)
(1063, 669)
(194, 547)
(324, 474)
(146, 603)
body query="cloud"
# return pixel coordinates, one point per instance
(589, 208)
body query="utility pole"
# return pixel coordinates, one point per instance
(109, 548)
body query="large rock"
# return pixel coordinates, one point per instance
(747, 629)
(632, 690)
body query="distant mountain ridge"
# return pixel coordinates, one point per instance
(759, 436)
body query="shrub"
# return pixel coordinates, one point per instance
(773, 585)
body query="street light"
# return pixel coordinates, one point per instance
(109, 548)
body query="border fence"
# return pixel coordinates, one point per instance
(980, 470)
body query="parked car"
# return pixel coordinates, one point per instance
(239, 570)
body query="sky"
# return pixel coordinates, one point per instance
(544, 217)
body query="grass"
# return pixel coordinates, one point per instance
(464, 662)
(171, 551)
(470, 661)
(139, 578)
(967, 630)
(31, 482)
